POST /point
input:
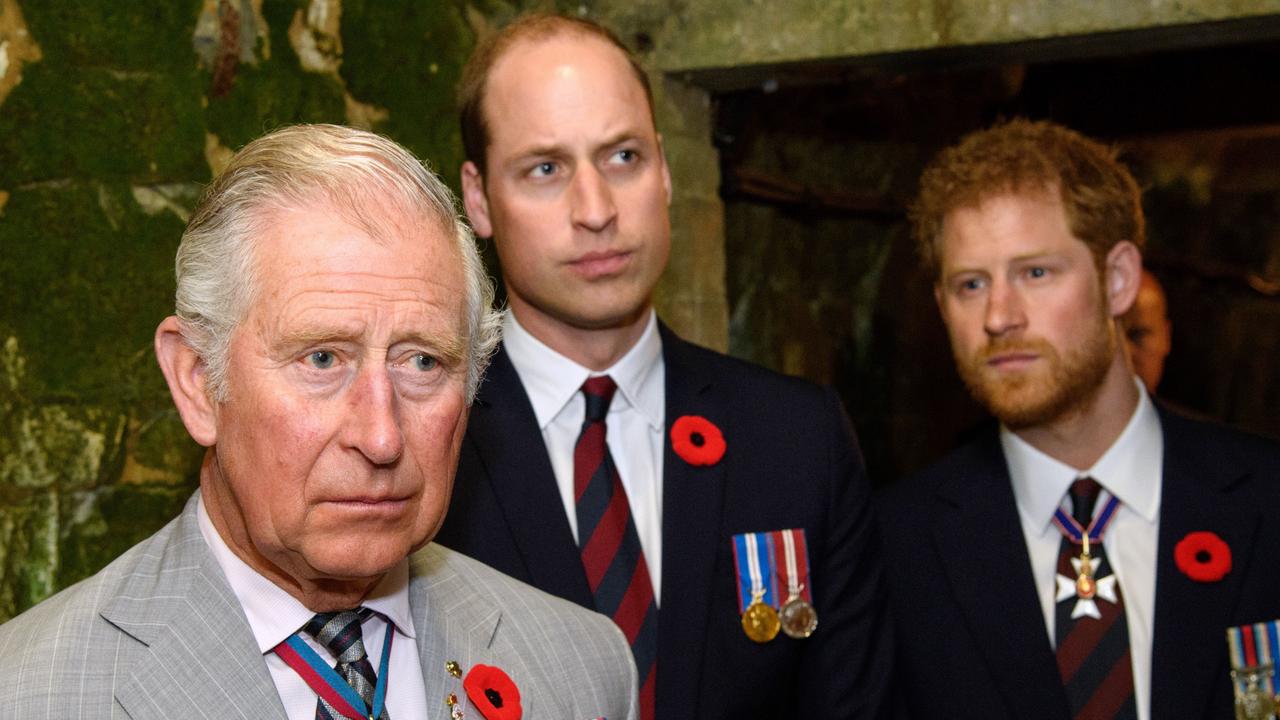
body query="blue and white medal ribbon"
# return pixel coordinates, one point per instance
(757, 585)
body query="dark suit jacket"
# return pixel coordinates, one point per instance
(971, 635)
(791, 462)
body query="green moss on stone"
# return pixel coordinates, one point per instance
(30, 530)
(102, 524)
(66, 122)
(87, 277)
(162, 444)
(274, 92)
(407, 58)
(108, 33)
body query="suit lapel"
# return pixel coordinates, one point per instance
(978, 535)
(1189, 658)
(203, 660)
(692, 503)
(453, 623)
(509, 444)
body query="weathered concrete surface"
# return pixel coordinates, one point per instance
(695, 35)
(691, 297)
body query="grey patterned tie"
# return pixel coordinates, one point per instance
(340, 633)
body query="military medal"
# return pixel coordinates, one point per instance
(766, 563)
(1254, 649)
(757, 586)
(1086, 587)
(799, 618)
(760, 622)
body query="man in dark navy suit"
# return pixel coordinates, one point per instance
(1084, 558)
(611, 463)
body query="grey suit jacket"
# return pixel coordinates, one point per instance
(159, 634)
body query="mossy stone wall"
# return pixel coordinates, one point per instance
(112, 117)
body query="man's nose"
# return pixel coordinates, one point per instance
(374, 419)
(1006, 310)
(592, 200)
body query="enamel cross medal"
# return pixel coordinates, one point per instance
(1086, 587)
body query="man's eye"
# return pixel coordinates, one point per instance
(321, 359)
(543, 169)
(425, 363)
(626, 156)
(1037, 272)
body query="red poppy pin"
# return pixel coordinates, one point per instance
(1203, 556)
(492, 692)
(697, 440)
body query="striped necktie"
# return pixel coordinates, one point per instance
(1092, 633)
(610, 546)
(340, 633)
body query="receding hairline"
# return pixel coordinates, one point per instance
(526, 31)
(522, 42)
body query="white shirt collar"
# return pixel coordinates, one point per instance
(1124, 470)
(274, 614)
(552, 380)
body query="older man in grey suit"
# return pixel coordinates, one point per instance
(333, 320)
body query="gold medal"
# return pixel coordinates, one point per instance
(760, 622)
(1085, 585)
(798, 618)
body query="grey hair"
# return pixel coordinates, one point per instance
(288, 168)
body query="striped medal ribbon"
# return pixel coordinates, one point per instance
(328, 684)
(1254, 649)
(1086, 584)
(758, 600)
(797, 614)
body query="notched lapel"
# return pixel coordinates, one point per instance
(462, 627)
(692, 506)
(1189, 655)
(978, 536)
(511, 449)
(200, 658)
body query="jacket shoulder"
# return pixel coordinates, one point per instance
(732, 370)
(548, 632)
(1216, 440)
(48, 647)
(979, 457)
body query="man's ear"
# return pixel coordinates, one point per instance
(475, 201)
(184, 371)
(1123, 277)
(666, 170)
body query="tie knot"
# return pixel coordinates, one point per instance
(340, 633)
(598, 392)
(1084, 493)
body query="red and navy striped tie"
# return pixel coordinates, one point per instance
(610, 545)
(1093, 653)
